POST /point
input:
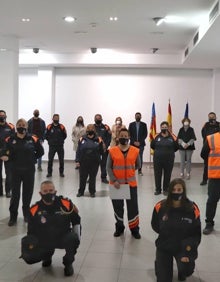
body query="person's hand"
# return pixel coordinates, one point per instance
(4, 158)
(184, 259)
(116, 184)
(77, 164)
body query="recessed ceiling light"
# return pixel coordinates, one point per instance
(69, 19)
(3, 49)
(26, 20)
(113, 19)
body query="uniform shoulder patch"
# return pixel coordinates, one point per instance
(34, 209)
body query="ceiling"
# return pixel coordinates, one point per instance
(128, 42)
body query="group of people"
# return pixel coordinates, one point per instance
(119, 152)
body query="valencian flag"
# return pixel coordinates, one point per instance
(186, 115)
(169, 117)
(153, 127)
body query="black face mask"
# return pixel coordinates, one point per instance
(123, 141)
(138, 119)
(2, 119)
(21, 130)
(56, 122)
(164, 130)
(176, 196)
(98, 121)
(90, 132)
(48, 198)
(36, 115)
(212, 120)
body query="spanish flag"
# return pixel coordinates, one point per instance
(153, 127)
(169, 117)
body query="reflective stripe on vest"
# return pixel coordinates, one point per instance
(124, 167)
(214, 155)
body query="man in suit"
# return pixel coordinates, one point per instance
(138, 134)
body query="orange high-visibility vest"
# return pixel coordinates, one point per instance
(124, 167)
(214, 155)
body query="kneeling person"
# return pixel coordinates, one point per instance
(53, 223)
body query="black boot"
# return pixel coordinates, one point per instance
(119, 230)
(68, 270)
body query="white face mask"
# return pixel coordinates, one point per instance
(186, 123)
(118, 122)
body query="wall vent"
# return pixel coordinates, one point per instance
(214, 12)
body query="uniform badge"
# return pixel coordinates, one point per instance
(165, 217)
(43, 219)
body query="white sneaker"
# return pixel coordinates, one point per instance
(188, 176)
(182, 175)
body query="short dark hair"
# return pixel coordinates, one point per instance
(164, 122)
(124, 129)
(45, 182)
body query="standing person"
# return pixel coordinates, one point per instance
(22, 150)
(122, 162)
(177, 222)
(211, 151)
(164, 145)
(6, 129)
(53, 223)
(115, 131)
(186, 138)
(88, 158)
(37, 126)
(210, 127)
(55, 135)
(138, 134)
(103, 131)
(78, 131)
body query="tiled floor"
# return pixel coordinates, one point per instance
(101, 257)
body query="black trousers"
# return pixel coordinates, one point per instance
(163, 167)
(88, 169)
(205, 170)
(132, 211)
(8, 179)
(164, 266)
(69, 242)
(213, 198)
(103, 165)
(24, 177)
(60, 152)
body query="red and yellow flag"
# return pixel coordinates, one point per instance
(153, 126)
(169, 117)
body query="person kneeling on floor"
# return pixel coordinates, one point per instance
(53, 223)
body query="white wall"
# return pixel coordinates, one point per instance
(121, 92)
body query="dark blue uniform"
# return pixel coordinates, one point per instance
(22, 154)
(103, 131)
(89, 156)
(164, 154)
(6, 130)
(52, 226)
(179, 234)
(55, 135)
